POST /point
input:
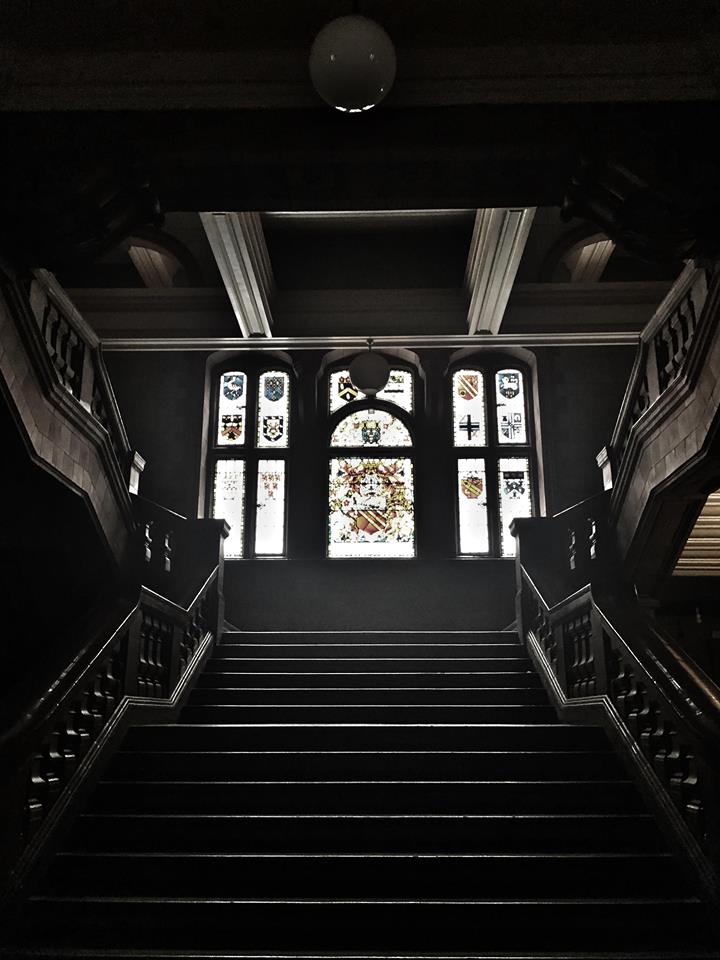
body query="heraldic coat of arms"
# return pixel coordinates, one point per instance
(274, 388)
(233, 385)
(273, 428)
(509, 384)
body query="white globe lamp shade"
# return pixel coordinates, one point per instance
(369, 372)
(352, 63)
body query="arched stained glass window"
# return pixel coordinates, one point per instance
(371, 491)
(248, 452)
(493, 484)
(399, 390)
(370, 428)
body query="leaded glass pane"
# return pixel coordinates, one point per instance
(510, 402)
(270, 511)
(273, 409)
(515, 498)
(229, 502)
(231, 409)
(472, 507)
(370, 428)
(399, 390)
(468, 406)
(371, 508)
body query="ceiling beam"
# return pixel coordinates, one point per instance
(496, 249)
(238, 244)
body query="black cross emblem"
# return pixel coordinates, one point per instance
(470, 426)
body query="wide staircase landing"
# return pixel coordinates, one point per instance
(366, 794)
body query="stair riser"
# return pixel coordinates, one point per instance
(379, 797)
(373, 637)
(362, 877)
(401, 651)
(378, 927)
(499, 834)
(369, 766)
(243, 680)
(364, 664)
(486, 696)
(531, 737)
(236, 713)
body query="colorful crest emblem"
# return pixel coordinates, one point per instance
(233, 386)
(514, 484)
(273, 428)
(370, 431)
(232, 426)
(346, 390)
(274, 388)
(471, 487)
(509, 384)
(371, 521)
(468, 386)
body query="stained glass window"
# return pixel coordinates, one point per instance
(270, 509)
(510, 405)
(399, 390)
(232, 405)
(371, 507)
(273, 413)
(472, 507)
(229, 502)
(468, 406)
(370, 428)
(515, 497)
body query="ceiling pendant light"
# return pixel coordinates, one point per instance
(369, 372)
(352, 63)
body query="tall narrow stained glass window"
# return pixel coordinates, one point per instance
(232, 405)
(249, 478)
(490, 413)
(472, 507)
(270, 509)
(468, 406)
(515, 497)
(273, 410)
(510, 406)
(229, 502)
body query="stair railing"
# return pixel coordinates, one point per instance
(605, 661)
(136, 665)
(661, 453)
(59, 393)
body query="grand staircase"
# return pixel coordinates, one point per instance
(365, 794)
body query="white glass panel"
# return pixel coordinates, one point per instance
(229, 502)
(472, 507)
(399, 390)
(270, 515)
(231, 409)
(371, 508)
(510, 401)
(273, 409)
(468, 406)
(370, 428)
(515, 498)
